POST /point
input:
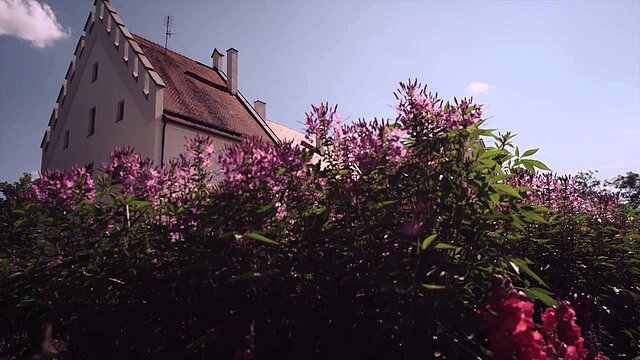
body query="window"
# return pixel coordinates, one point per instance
(94, 73)
(66, 140)
(92, 121)
(120, 115)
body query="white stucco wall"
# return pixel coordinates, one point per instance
(142, 124)
(175, 138)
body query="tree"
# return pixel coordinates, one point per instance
(11, 194)
(628, 186)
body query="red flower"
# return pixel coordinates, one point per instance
(508, 318)
(510, 323)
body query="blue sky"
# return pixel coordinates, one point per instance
(564, 76)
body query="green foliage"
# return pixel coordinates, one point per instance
(334, 261)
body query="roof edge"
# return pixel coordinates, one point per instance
(263, 124)
(201, 123)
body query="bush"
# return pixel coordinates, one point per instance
(384, 246)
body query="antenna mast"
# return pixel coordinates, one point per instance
(168, 33)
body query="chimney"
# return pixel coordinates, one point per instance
(261, 108)
(217, 59)
(232, 70)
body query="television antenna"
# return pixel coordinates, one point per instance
(168, 33)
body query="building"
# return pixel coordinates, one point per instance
(122, 89)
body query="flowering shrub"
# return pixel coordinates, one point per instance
(383, 243)
(509, 320)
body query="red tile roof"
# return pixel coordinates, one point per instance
(197, 94)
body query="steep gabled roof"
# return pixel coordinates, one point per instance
(197, 94)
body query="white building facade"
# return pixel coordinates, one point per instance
(121, 89)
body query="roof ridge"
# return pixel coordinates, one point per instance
(175, 52)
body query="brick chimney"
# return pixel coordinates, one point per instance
(217, 59)
(261, 108)
(232, 71)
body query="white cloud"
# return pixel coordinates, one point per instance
(30, 20)
(477, 87)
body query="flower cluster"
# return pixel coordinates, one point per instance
(131, 171)
(562, 333)
(562, 194)
(508, 318)
(256, 163)
(420, 110)
(63, 189)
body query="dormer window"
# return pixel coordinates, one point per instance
(94, 72)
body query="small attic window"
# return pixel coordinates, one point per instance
(94, 72)
(120, 113)
(65, 144)
(92, 122)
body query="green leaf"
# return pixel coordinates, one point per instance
(535, 163)
(520, 264)
(433, 287)
(540, 294)
(257, 236)
(515, 221)
(533, 217)
(446, 246)
(141, 204)
(506, 189)
(426, 242)
(501, 177)
(530, 152)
